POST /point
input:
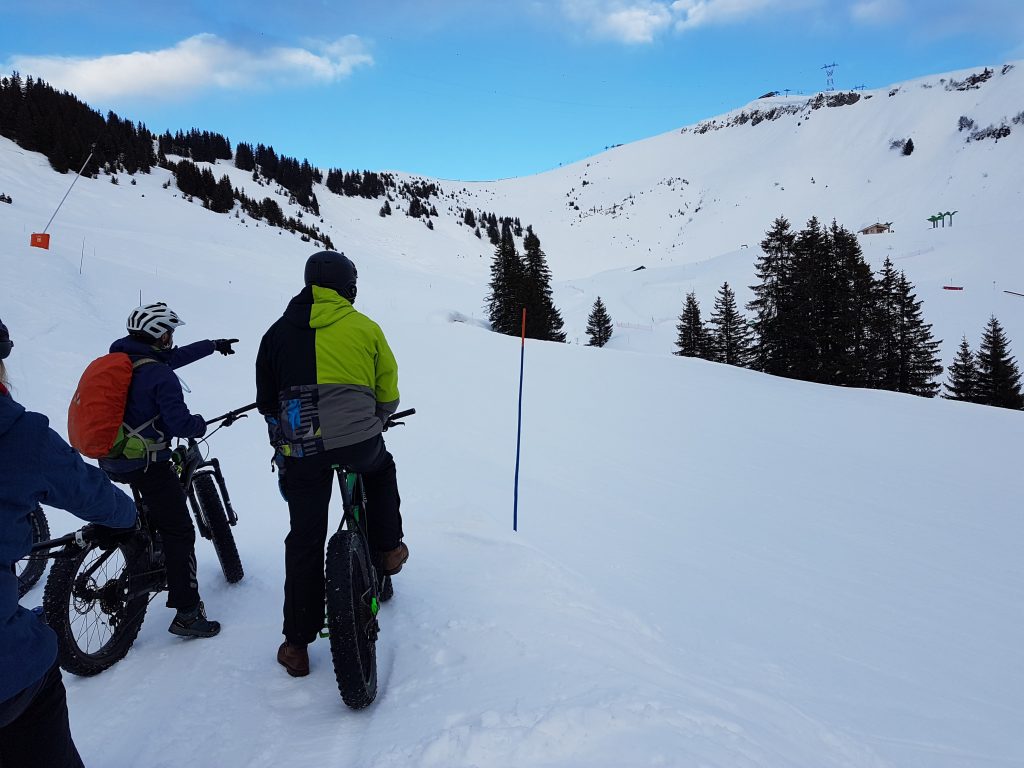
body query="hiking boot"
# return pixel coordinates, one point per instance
(393, 560)
(193, 623)
(294, 658)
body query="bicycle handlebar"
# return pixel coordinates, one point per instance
(393, 419)
(231, 417)
(47, 545)
(88, 534)
(82, 535)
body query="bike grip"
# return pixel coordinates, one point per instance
(232, 416)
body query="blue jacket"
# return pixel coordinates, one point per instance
(38, 467)
(156, 391)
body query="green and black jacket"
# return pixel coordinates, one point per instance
(326, 373)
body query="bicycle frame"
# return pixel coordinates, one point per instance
(353, 518)
(190, 463)
(353, 504)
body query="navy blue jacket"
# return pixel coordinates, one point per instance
(156, 391)
(38, 467)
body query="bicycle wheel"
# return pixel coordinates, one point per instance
(85, 604)
(31, 568)
(205, 488)
(351, 619)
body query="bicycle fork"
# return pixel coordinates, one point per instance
(353, 511)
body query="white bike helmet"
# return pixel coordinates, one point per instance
(153, 320)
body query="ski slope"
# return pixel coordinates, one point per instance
(713, 567)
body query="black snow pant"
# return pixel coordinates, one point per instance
(168, 513)
(34, 729)
(308, 482)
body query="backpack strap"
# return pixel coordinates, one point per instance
(141, 361)
(152, 447)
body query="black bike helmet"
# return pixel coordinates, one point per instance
(6, 345)
(330, 269)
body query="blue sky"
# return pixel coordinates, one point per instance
(474, 89)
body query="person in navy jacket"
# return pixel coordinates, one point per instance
(37, 466)
(156, 412)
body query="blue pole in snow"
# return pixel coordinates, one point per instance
(519, 427)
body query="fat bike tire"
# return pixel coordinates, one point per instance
(351, 619)
(94, 621)
(30, 569)
(220, 530)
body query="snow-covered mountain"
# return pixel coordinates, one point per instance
(714, 567)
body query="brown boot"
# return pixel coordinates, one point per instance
(393, 560)
(294, 658)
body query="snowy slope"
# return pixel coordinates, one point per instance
(713, 567)
(692, 207)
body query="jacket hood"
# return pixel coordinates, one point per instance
(10, 412)
(135, 347)
(317, 307)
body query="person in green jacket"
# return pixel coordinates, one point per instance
(326, 382)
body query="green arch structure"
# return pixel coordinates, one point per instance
(941, 216)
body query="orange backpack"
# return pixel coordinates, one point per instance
(96, 415)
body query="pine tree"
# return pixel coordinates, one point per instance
(543, 320)
(599, 325)
(692, 340)
(998, 375)
(907, 354)
(244, 158)
(963, 375)
(854, 291)
(812, 301)
(920, 349)
(769, 324)
(222, 198)
(504, 303)
(729, 340)
(885, 320)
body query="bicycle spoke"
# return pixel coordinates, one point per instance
(93, 626)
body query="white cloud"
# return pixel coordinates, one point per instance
(200, 62)
(641, 21)
(636, 24)
(628, 22)
(697, 13)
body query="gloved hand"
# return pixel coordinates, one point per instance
(106, 537)
(224, 346)
(384, 416)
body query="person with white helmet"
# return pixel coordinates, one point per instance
(156, 412)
